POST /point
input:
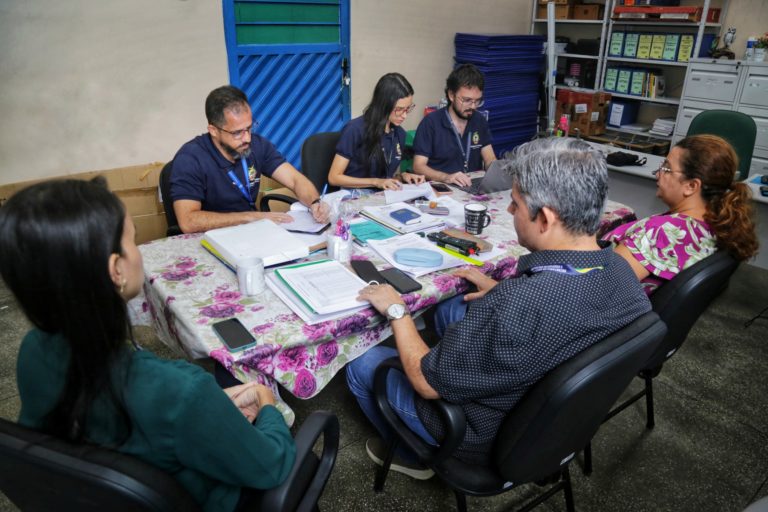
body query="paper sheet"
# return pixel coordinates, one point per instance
(386, 249)
(408, 192)
(326, 286)
(303, 222)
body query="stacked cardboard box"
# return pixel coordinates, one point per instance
(588, 111)
(563, 9)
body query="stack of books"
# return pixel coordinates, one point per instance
(663, 126)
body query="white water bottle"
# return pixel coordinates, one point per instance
(750, 53)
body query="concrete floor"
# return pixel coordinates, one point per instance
(708, 452)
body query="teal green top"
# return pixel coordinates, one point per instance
(183, 423)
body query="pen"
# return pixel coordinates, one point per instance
(325, 189)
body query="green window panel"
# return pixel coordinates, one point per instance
(287, 34)
(282, 13)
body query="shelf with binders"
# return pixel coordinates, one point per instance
(647, 61)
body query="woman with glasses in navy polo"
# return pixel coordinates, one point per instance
(371, 146)
(708, 211)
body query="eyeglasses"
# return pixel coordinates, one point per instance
(664, 167)
(469, 102)
(404, 110)
(239, 134)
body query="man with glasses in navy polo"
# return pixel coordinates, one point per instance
(452, 141)
(215, 176)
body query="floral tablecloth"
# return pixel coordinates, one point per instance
(187, 289)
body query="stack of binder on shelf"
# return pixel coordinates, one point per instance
(234, 244)
(318, 291)
(512, 65)
(663, 126)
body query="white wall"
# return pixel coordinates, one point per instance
(97, 84)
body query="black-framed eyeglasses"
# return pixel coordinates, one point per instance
(239, 134)
(404, 110)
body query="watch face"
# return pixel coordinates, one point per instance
(395, 311)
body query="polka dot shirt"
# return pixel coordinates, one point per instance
(522, 329)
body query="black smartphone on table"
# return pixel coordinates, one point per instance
(440, 188)
(401, 281)
(233, 334)
(366, 271)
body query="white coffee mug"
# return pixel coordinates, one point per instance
(250, 276)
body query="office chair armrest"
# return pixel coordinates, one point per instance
(452, 415)
(308, 477)
(173, 231)
(264, 204)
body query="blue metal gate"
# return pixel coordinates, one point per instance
(291, 57)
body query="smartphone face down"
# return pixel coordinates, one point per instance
(441, 187)
(401, 281)
(233, 334)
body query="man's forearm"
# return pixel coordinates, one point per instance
(196, 222)
(412, 349)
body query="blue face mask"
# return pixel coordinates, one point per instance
(418, 257)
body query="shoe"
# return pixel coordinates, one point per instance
(377, 450)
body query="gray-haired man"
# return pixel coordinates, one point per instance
(499, 340)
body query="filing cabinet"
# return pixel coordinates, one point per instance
(728, 85)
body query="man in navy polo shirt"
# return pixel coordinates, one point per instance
(215, 176)
(454, 140)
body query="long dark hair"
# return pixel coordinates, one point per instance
(57, 239)
(729, 203)
(389, 89)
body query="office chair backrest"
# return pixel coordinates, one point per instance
(317, 154)
(561, 413)
(737, 128)
(165, 191)
(680, 301)
(39, 472)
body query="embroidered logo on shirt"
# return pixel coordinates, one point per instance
(475, 137)
(397, 150)
(252, 174)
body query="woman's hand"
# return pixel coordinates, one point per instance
(388, 184)
(409, 177)
(484, 283)
(250, 397)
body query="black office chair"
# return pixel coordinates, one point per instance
(539, 437)
(165, 191)
(317, 154)
(679, 303)
(39, 472)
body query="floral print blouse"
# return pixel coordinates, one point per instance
(665, 245)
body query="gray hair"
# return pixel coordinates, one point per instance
(565, 175)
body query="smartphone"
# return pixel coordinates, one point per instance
(440, 188)
(233, 334)
(764, 179)
(764, 190)
(366, 271)
(401, 281)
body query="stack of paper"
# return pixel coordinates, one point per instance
(663, 126)
(236, 243)
(319, 290)
(387, 249)
(381, 214)
(408, 192)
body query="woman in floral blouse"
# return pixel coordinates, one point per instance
(708, 211)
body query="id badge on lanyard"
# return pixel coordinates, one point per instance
(245, 190)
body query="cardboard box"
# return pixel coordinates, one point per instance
(562, 12)
(588, 12)
(588, 111)
(136, 186)
(557, 2)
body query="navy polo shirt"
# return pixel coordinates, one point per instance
(200, 173)
(351, 147)
(436, 140)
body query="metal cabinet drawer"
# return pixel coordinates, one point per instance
(755, 90)
(759, 166)
(712, 82)
(688, 111)
(761, 121)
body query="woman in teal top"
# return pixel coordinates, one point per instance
(70, 259)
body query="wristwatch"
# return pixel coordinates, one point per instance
(397, 311)
(316, 201)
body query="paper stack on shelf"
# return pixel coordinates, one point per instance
(663, 126)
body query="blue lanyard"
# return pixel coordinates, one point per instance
(392, 140)
(244, 190)
(562, 269)
(464, 153)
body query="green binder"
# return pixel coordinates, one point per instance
(670, 47)
(630, 45)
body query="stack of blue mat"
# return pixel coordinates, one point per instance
(512, 66)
